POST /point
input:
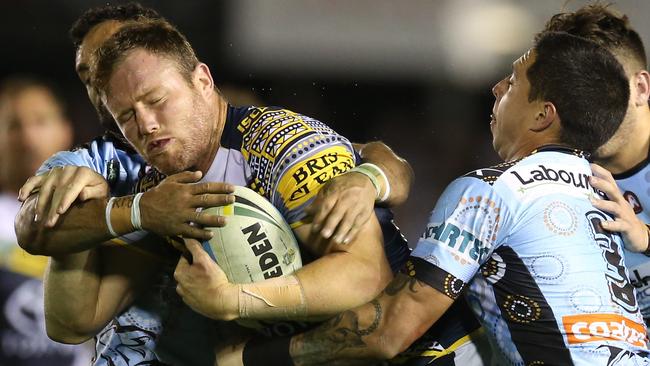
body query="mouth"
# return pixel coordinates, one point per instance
(493, 120)
(157, 146)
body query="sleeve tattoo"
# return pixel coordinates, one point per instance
(342, 337)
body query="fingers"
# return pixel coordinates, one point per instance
(212, 200)
(67, 188)
(212, 187)
(196, 249)
(332, 221)
(321, 209)
(610, 207)
(344, 226)
(601, 172)
(615, 226)
(207, 220)
(33, 183)
(359, 221)
(92, 192)
(189, 231)
(45, 195)
(609, 188)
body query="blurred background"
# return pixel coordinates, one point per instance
(416, 74)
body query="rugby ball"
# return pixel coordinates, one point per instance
(256, 243)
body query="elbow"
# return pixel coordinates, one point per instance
(386, 345)
(371, 280)
(66, 334)
(28, 234)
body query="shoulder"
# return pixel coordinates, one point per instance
(491, 174)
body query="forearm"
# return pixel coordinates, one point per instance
(352, 277)
(84, 291)
(397, 170)
(81, 228)
(378, 330)
(71, 286)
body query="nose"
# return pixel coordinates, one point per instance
(497, 89)
(147, 121)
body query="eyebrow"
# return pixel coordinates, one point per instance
(138, 98)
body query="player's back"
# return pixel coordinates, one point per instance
(555, 289)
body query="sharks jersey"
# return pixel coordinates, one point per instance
(549, 284)
(635, 187)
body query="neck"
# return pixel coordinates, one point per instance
(629, 146)
(220, 112)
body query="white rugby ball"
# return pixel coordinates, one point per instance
(256, 243)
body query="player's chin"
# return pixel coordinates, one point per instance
(166, 164)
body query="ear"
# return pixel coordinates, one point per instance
(545, 117)
(203, 79)
(641, 88)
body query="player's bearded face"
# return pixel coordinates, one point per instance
(159, 112)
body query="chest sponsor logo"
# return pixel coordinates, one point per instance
(543, 174)
(461, 240)
(634, 201)
(583, 328)
(319, 170)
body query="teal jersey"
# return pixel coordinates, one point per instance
(635, 187)
(548, 284)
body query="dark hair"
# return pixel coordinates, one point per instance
(16, 84)
(585, 83)
(157, 37)
(93, 16)
(603, 25)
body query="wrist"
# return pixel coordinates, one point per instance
(646, 252)
(229, 298)
(377, 178)
(118, 215)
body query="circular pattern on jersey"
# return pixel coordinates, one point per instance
(453, 286)
(560, 219)
(548, 267)
(494, 269)
(522, 309)
(586, 299)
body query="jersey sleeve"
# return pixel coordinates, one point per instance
(120, 169)
(465, 227)
(292, 156)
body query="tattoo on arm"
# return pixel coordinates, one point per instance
(331, 340)
(399, 283)
(123, 202)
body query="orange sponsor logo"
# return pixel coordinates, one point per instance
(584, 328)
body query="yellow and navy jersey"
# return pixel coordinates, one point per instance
(282, 155)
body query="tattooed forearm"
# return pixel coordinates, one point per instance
(399, 283)
(339, 338)
(126, 201)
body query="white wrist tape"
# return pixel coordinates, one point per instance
(277, 298)
(136, 219)
(109, 207)
(374, 173)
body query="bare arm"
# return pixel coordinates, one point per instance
(378, 330)
(79, 229)
(84, 291)
(344, 277)
(166, 209)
